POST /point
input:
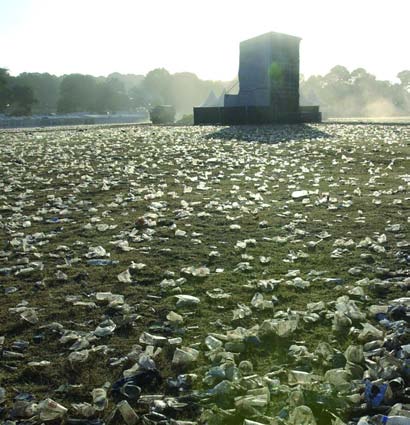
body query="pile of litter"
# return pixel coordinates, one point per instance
(198, 275)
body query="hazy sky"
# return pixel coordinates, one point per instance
(135, 36)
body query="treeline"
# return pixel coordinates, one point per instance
(15, 98)
(42, 93)
(341, 93)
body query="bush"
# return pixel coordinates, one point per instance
(186, 120)
(164, 114)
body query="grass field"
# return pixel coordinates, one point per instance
(298, 214)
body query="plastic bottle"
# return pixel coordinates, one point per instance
(395, 420)
(24, 409)
(101, 262)
(127, 412)
(51, 410)
(99, 396)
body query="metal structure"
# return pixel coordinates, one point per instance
(268, 86)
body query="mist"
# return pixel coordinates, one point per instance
(339, 93)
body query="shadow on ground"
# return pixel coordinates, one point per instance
(270, 134)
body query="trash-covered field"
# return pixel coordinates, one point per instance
(180, 275)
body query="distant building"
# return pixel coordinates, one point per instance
(268, 86)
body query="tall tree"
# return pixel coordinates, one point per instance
(45, 88)
(404, 77)
(5, 91)
(15, 98)
(77, 93)
(111, 96)
(358, 93)
(22, 100)
(139, 97)
(158, 86)
(128, 80)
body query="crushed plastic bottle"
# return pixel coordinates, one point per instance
(184, 356)
(51, 410)
(100, 400)
(186, 301)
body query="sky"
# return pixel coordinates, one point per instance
(98, 37)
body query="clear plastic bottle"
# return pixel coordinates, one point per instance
(51, 410)
(127, 412)
(100, 400)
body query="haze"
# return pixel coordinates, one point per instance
(129, 36)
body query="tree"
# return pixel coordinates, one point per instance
(128, 80)
(22, 100)
(77, 93)
(360, 76)
(15, 98)
(5, 91)
(111, 96)
(138, 97)
(158, 86)
(338, 74)
(45, 88)
(186, 91)
(404, 77)
(358, 93)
